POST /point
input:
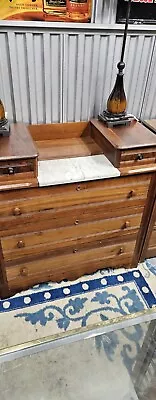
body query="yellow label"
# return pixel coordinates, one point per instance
(36, 9)
(10, 8)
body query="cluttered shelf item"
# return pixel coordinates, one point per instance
(74, 198)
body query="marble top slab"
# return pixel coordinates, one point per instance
(78, 169)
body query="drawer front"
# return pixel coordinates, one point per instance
(32, 200)
(138, 157)
(14, 168)
(69, 266)
(70, 238)
(65, 216)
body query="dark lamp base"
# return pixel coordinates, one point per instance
(115, 119)
(4, 128)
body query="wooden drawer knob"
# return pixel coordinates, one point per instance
(16, 211)
(11, 171)
(139, 157)
(78, 188)
(20, 244)
(131, 194)
(126, 224)
(24, 271)
(75, 250)
(76, 222)
(121, 250)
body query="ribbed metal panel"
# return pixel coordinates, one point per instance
(31, 76)
(90, 72)
(149, 103)
(50, 76)
(105, 11)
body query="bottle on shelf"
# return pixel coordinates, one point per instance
(54, 8)
(78, 10)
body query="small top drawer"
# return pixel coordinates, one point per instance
(138, 157)
(10, 168)
(18, 159)
(14, 171)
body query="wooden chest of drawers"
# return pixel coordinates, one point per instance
(65, 231)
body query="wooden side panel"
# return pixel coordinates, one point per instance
(149, 246)
(110, 152)
(67, 148)
(152, 242)
(59, 131)
(147, 223)
(4, 289)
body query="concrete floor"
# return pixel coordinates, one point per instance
(72, 372)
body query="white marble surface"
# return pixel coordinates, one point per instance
(69, 170)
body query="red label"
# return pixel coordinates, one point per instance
(143, 1)
(77, 6)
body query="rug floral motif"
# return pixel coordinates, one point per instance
(56, 309)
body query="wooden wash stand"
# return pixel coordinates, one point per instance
(74, 198)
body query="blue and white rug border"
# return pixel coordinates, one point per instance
(24, 300)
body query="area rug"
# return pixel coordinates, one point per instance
(56, 310)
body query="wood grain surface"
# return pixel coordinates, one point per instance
(127, 137)
(150, 124)
(39, 199)
(69, 266)
(65, 231)
(51, 239)
(18, 145)
(149, 245)
(126, 147)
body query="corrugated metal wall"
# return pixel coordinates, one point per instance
(149, 101)
(105, 11)
(90, 70)
(64, 72)
(31, 76)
